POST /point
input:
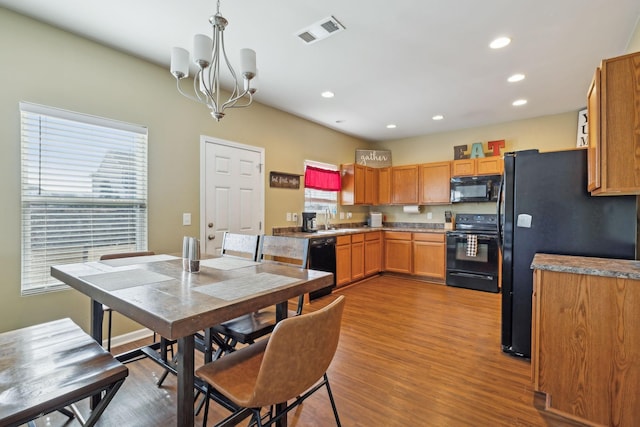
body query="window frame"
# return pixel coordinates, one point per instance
(86, 175)
(331, 204)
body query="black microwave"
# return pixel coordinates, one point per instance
(483, 188)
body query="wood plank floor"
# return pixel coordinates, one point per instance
(411, 354)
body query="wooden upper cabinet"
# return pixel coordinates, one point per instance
(435, 183)
(614, 118)
(359, 185)
(384, 186)
(404, 184)
(593, 124)
(371, 186)
(492, 165)
(463, 167)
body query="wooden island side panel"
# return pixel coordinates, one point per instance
(586, 343)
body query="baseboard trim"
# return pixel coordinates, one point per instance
(128, 337)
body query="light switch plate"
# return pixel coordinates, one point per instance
(186, 218)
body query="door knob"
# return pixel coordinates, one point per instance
(211, 236)
(210, 225)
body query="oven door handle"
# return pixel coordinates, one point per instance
(480, 236)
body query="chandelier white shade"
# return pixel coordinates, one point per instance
(207, 54)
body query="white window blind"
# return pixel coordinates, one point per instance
(84, 190)
(319, 200)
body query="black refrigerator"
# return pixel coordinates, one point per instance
(545, 207)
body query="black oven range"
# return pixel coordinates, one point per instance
(472, 253)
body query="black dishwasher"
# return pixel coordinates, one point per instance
(322, 257)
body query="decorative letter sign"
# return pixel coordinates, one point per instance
(459, 151)
(583, 129)
(495, 146)
(477, 150)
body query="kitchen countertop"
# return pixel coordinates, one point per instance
(356, 230)
(606, 267)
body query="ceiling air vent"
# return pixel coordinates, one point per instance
(320, 30)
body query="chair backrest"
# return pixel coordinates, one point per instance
(298, 354)
(240, 245)
(284, 249)
(126, 255)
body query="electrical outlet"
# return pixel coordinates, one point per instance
(186, 218)
(294, 216)
(348, 215)
(289, 216)
(429, 215)
(341, 215)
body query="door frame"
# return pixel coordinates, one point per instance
(204, 139)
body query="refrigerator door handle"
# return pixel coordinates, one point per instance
(499, 206)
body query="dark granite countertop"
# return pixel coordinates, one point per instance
(607, 267)
(356, 230)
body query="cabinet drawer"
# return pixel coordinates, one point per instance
(397, 235)
(429, 237)
(343, 240)
(372, 236)
(355, 238)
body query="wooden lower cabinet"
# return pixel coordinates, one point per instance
(429, 255)
(372, 253)
(357, 257)
(397, 251)
(343, 260)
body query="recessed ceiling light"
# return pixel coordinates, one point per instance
(327, 94)
(515, 78)
(500, 42)
(438, 117)
(519, 102)
(391, 126)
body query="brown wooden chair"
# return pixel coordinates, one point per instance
(270, 372)
(107, 309)
(51, 366)
(246, 329)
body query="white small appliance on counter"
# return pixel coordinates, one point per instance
(375, 219)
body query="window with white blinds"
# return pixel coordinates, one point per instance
(84, 191)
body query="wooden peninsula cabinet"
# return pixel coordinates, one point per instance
(613, 104)
(586, 340)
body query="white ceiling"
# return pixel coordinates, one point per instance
(399, 61)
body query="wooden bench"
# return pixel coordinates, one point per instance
(47, 367)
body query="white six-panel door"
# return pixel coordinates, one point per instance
(232, 191)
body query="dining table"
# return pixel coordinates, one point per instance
(157, 292)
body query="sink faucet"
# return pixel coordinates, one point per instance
(327, 217)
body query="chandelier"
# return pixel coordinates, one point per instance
(207, 54)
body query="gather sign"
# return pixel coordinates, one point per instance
(374, 158)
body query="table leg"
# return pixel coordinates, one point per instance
(96, 332)
(282, 311)
(186, 365)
